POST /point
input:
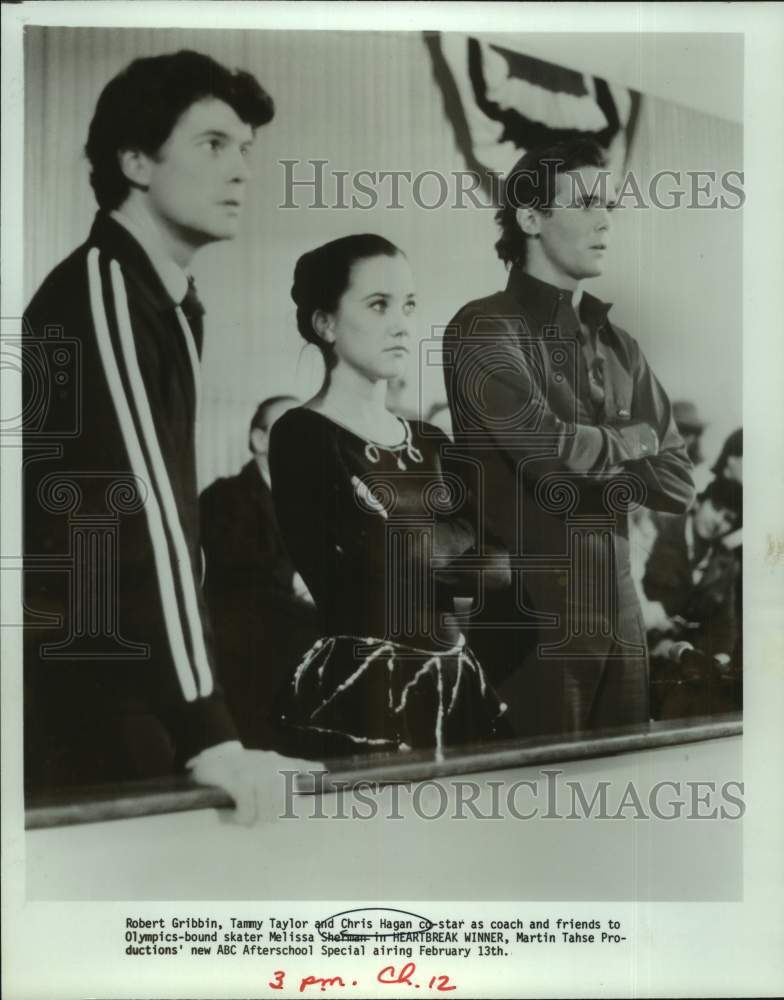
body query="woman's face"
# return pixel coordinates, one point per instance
(372, 326)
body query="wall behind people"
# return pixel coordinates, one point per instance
(370, 102)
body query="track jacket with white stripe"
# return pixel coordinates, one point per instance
(117, 622)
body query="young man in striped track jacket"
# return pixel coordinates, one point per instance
(119, 673)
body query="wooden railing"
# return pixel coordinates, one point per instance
(179, 793)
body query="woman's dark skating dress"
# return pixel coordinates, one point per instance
(377, 533)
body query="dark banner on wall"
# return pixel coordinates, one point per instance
(502, 102)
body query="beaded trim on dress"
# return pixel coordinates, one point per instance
(372, 453)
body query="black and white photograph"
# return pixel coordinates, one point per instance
(376, 613)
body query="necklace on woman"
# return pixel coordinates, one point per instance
(372, 453)
(373, 449)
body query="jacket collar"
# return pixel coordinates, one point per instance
(543, 302)
(117, 241)
(172, 276)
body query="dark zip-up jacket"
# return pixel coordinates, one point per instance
(116, 617)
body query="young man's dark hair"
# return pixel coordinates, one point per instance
(724, 494)
(139, 108)
(531, 183)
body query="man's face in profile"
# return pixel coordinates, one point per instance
(575, 232)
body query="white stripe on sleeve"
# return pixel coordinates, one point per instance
(152, 511)
(161, 477)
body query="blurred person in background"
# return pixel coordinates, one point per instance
(729, 464)
(729, 467)
(644, 524)
(692, 578)
(262, 612)
(691, 428)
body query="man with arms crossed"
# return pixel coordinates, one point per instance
(559, 410)
(125, 686)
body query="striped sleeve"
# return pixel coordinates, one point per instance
(139, 427)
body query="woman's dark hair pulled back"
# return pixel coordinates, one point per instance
(321, 276)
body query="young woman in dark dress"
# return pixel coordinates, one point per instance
(377, 526)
